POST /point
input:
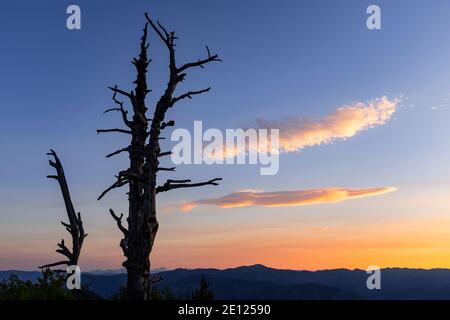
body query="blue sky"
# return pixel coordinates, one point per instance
(281, 59)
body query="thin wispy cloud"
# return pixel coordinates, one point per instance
(285, 198)
(297, 133)
(440, 106)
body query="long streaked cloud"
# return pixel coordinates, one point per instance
(297, 133)
(285, 198)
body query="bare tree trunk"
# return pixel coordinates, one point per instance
(141, 176)
(75, 225)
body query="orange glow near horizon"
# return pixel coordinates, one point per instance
(413, 244)
(203, 240)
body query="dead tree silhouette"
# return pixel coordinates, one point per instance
(144, 153)
(75, 225)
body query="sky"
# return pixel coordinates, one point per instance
(364, 162)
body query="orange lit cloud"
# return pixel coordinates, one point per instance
(296, 133)
(300, 132)
(286, 198)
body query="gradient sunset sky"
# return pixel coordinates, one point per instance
(363, 117)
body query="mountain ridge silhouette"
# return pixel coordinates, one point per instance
(262, 282)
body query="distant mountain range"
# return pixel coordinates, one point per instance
(261, 282)
(118, 271)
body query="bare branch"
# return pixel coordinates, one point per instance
(66, 224)
(127, 174)
(119, 183)
(200, 63)
(159, 29)
(124, 93)
(163, 154)
(124, 114)
(166, 169)
(170, 123)
(111, 109)
(127, 149)
(141, 89)
(113, 130)
(176, 184)
(64, 250)
(120, 109)
(80, 226)
(54, 264)
(178, 181)
(119, 222)
(189, 95)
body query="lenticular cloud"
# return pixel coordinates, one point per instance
(286, 198)
(299, 132)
